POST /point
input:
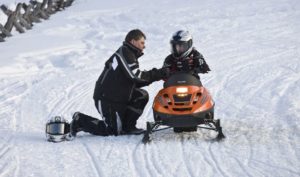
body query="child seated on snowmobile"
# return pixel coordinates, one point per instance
(184, 57)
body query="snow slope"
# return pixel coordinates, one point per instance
(252, 48)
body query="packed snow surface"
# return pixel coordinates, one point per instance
(252, 47)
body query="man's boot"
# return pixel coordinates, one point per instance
(74, 126)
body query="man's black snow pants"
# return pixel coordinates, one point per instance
(117, 118)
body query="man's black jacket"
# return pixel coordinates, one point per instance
(121, 75)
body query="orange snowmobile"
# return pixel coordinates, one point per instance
(183, 104)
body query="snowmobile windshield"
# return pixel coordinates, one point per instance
(182, 78)
(56, 128)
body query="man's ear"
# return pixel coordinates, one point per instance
(132, 41)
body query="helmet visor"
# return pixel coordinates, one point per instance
(180, 47)
(56, 128)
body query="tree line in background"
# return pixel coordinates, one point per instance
(26, 14)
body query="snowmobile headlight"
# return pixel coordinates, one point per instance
(182, 90)
(182, 94)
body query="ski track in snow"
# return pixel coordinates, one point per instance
(9, 157)
(94, 161)
(251, 47)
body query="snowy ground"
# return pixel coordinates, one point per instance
(252, 48)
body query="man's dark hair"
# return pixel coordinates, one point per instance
(135, 34)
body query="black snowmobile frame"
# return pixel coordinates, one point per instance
(153, 127)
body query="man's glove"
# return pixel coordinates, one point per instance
(164, 72)
(158, 74)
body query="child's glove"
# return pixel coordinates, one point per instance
(187, 64)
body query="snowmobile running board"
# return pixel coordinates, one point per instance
(153, 127)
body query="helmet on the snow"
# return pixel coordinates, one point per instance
(57, 129)
(181, 44)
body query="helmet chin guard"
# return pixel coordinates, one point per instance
(57, 129)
